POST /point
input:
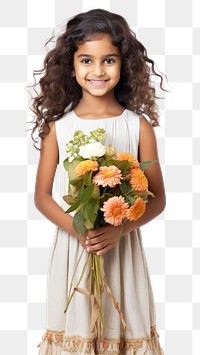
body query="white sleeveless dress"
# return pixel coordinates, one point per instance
(125, 269)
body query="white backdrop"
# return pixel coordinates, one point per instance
(170, 30)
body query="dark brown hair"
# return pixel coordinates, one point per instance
(59, 90)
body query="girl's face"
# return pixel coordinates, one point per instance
(97, 64)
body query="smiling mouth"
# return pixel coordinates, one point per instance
(97, 82)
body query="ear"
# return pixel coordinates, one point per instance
(73, 74)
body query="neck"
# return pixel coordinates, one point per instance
(98, 106)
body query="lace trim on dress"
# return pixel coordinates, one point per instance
(53, 341)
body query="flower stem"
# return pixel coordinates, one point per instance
(80, 278)
(99, 287)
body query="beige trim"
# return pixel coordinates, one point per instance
(78, 345)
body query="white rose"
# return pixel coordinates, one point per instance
(91, 150)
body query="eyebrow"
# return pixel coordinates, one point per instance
(104, 56)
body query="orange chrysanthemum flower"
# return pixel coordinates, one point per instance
(138, 180)
(108, 176)
(87, 165)
(137, 210)
(129, 157)
(115, 209)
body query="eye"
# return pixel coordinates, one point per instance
(86, 61)
(109, 61)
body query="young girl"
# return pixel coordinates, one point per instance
(98, 76)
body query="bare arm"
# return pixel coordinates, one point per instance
(103, 239)
(148, 151)
(44, 201)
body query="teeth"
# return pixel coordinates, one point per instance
(97, 82)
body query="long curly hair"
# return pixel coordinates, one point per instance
(59, 90)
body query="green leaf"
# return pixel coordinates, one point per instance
(96, 192)
(132, 199)
(86, 194)
(125, 187)
(90, 210)
(73, 207)
(104, 163)
(79, 223)
(147, 163)
(73, 191)
(69, 199)
(89, 225)
(76, 182)
(88, 178)
(70, 167)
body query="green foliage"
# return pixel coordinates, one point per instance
(69, 199)
(125, 187)
(73, 207)
(88, 178)
(96, 192)
(70, 167)
(84, 196)
(78, 223)
(90, 210)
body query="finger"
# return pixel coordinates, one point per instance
(95, 240)
(92, 233)
(104, 250)
(97, 247)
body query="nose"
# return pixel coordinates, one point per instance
(98, 69)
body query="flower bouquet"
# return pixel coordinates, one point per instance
(105, 186)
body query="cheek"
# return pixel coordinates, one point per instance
(115, 72)
(80, 71)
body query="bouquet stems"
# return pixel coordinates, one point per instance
(95, 286)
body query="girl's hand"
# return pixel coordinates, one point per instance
(103, 239)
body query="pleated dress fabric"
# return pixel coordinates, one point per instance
(125, 267)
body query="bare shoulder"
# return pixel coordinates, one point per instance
(147, 141)
(146, 129)
(49, 143)
(51, 136)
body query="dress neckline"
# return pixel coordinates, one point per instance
(100, 119)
